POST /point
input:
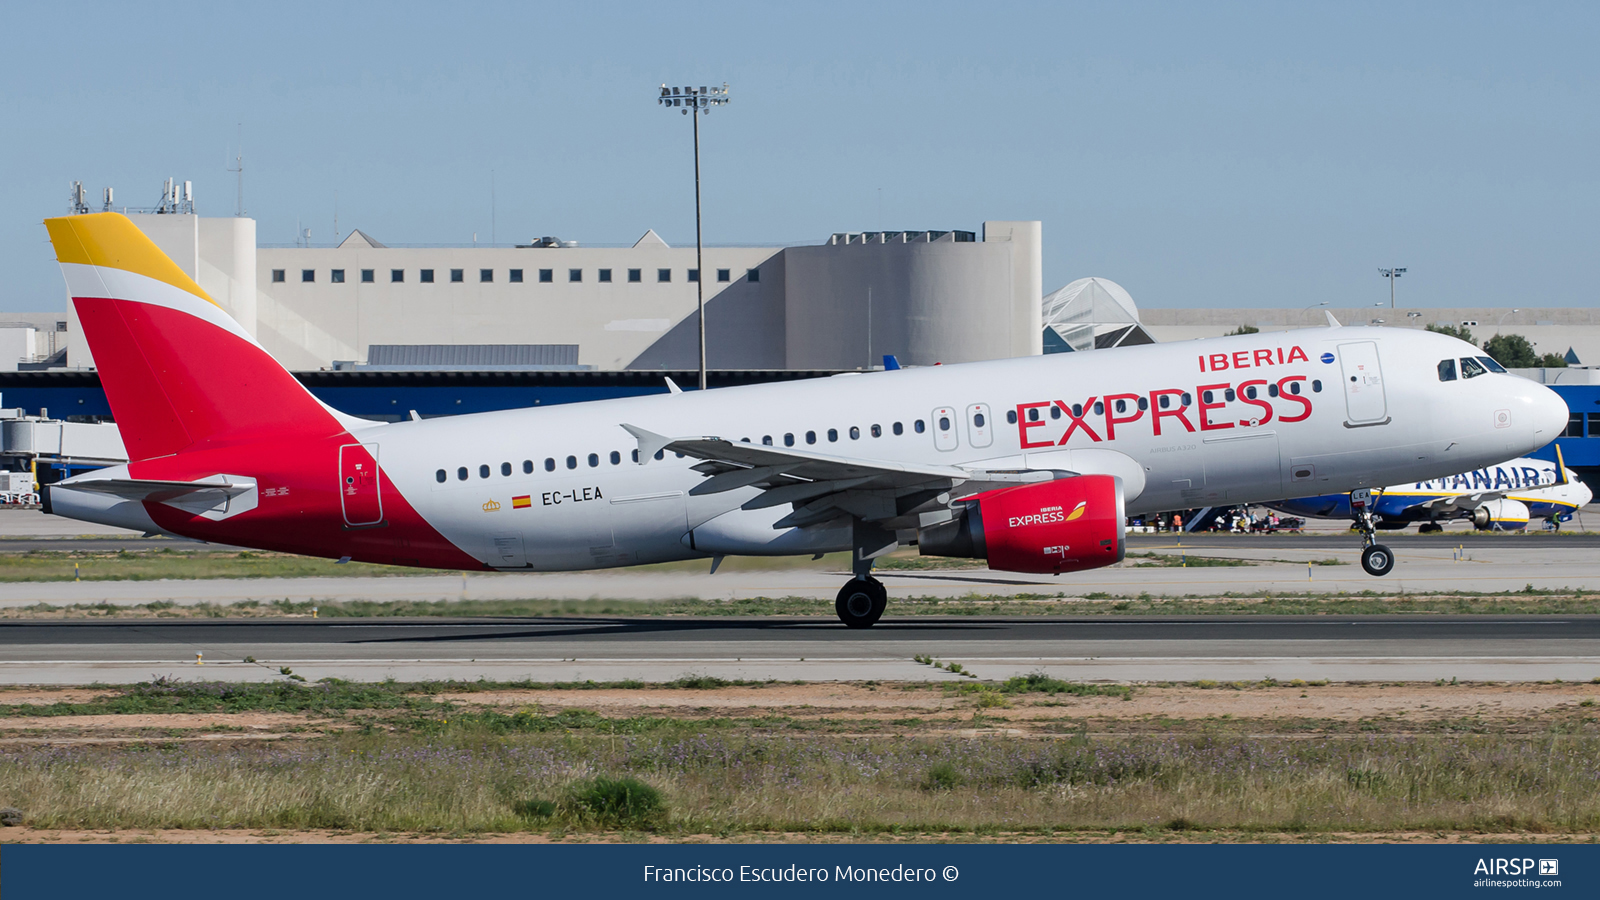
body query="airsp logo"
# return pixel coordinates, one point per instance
(1524, 866)
(1549, 867)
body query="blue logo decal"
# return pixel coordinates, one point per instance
(1327, 358)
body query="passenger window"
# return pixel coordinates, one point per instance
(505, 469)
(1166, 400)
(1493, 366)
(1055, 412)
(616, 458)
(527, 467)
(900, 429)
(1272, 390)
(1011, 417)
(855, 433)
(461, 474)
(1316, 387)
(1471, 368)
(635, 456)
(661, 454)
(483, 471)
(978, 419)
(1122, 406)
(1206, 396)
(918, 427)
(1250, 392)
(1143, 403)
(944, 423)
(766, 439)
(594, 460)
(1187, 399)
(572, 462)
(549, 464)
(833, 435)
(1228, 395)
(811, 437)
(1077, 410)
(1033, 415)
(1294, 387)
(1447, 370)
(439, 476)
(788, 439)
(877, 431)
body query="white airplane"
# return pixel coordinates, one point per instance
(1502, 497)
(1033, 464)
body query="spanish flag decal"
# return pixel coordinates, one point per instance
(522, 502)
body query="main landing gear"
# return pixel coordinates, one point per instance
(1376, 559)
(861, 602)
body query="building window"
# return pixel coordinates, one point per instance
(368, 276)
(1574, 425)
(752, 274)
(277, 276)
(635, 276)
(574, 274)
(485, 276)
(307, 275)
(1594, 424)
(425, 276)
(457, 276)
(336, 276)
(396, 276)
(516, 276)
(663, 275)
(547, 275)
(605, 276)
(724, 274)
(694, 274)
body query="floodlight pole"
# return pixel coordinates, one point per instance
(696, 102)
(1391, 274)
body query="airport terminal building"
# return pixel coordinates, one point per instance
(925, 296)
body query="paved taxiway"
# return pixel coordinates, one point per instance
(1375, 648)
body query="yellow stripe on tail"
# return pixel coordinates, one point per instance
(111, 240)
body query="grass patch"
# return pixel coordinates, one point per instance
(1040, 683)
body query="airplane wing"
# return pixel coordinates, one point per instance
(822, 487)
(1461, 502)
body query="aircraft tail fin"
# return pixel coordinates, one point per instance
(177, 370)
(1561, 467)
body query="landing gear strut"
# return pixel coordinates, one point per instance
(1376, 559)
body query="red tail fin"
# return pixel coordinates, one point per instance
(177, 370)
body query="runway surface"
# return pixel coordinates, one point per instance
(1375, 648)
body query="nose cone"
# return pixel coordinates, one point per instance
(1581, 491)
(1549, 413)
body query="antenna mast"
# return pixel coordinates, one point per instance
(238, 168)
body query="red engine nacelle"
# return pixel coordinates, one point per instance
(1058, 526)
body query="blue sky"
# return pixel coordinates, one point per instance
(1214, 154)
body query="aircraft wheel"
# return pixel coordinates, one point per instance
(1377, 559)
(1430, 528)
(861, 602)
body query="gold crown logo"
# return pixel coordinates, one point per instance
(491, 506)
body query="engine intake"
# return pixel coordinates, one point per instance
(1058, 526)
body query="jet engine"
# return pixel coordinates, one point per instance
(1052, 527)
(1501, 515)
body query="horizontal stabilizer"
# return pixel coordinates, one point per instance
(216, 497)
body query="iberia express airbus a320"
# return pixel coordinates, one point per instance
(1032, 464)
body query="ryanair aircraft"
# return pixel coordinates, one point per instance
(1033, 464)
(1504, 497)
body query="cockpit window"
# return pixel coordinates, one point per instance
(1447, 370)
(1493, 366)
(1471, 368)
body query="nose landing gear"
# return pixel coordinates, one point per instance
(1376, 558)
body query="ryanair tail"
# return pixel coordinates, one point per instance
(178, 371)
